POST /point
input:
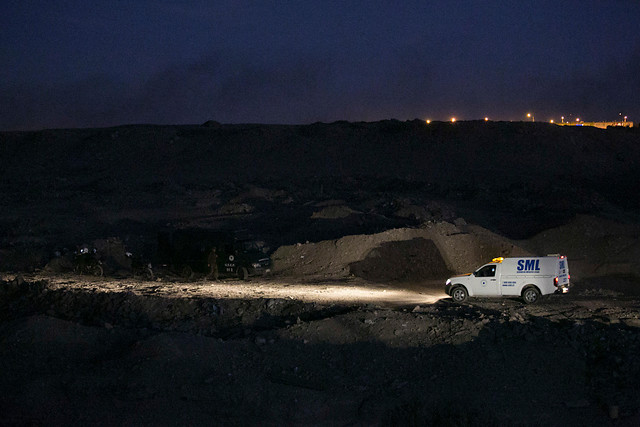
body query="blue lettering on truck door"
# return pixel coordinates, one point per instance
(528, 266)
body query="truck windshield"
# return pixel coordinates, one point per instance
(253, 246)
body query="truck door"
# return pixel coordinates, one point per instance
(563, 271)
(485, 280)
(230, 261)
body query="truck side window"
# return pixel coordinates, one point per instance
(486, 271)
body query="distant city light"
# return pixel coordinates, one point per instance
(570, 120)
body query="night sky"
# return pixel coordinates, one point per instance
(80, 63)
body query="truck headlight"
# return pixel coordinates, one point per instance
(448, 282)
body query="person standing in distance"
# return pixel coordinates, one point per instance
(212, 262)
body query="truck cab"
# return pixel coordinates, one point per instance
(527, 277)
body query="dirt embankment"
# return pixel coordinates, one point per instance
(430, 252)
(594, 246)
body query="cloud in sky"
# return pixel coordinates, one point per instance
(188, 62)
(304, 90)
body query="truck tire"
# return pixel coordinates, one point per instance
(187, 272)
(145, 273)
(530, 295)
(96, 270)
(243, 273)
(459, 294)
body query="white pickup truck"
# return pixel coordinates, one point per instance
(527, 277)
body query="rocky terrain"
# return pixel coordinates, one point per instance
(365, 221)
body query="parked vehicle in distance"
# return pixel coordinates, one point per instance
(527, 277)
(238, 254)
(85, 261)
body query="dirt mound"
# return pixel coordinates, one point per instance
(217, 317)
(453, 248)
(594, 246)
(334, 212)
(408, 260)
(252, 192)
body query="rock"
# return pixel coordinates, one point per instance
(413, 212)
(334, 212)
(632, 322)
(580, 403)
(460, 222)
(212, 124)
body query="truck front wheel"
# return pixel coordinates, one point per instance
(459, 294)
(530, 295)
(187, 272)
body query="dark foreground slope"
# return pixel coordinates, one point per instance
(73, 356)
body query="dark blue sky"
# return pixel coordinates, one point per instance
(81, 63)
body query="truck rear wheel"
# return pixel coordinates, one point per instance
(96, 270)
(530, 295)
(459, 294)
(243, 273)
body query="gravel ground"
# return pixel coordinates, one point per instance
(274, 352)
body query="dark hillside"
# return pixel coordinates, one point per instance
(491, 153)
(514, 178)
